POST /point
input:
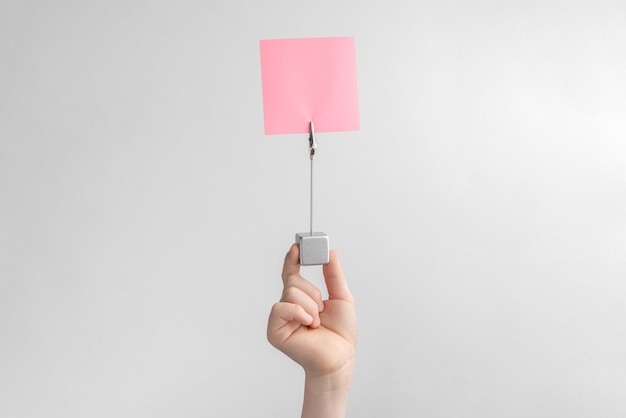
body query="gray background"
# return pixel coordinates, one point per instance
(479, 212)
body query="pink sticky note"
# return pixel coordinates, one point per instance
(309, 79)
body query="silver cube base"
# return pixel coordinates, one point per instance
(314, 249)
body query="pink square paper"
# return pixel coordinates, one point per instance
(309, 79)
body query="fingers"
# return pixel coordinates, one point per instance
(283, 312)
(298, 290)
(285, 318)
(298, 296)
(307, 287)
(291, 266)
(335, 280)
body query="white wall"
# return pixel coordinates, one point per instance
(479, 212)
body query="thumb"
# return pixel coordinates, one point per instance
(335, 279)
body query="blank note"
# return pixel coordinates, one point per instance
(309, 79)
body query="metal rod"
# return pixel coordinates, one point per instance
(311, 200)
(312, 148)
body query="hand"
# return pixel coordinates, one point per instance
(319, 335)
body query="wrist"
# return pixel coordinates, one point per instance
(326, 395)
(336, 380)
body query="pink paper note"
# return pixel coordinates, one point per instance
(309, 79)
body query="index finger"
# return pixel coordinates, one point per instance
(292, 262)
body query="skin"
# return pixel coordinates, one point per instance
(320, 335)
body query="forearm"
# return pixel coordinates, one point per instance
(327, 396)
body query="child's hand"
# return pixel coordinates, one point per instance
(319, 335)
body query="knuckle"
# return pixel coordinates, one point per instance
(289, 293)
(289, 279)
(275, 308)
(296, 309)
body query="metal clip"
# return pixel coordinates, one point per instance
(312, 144)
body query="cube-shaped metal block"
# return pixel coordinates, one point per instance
(314, 249)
